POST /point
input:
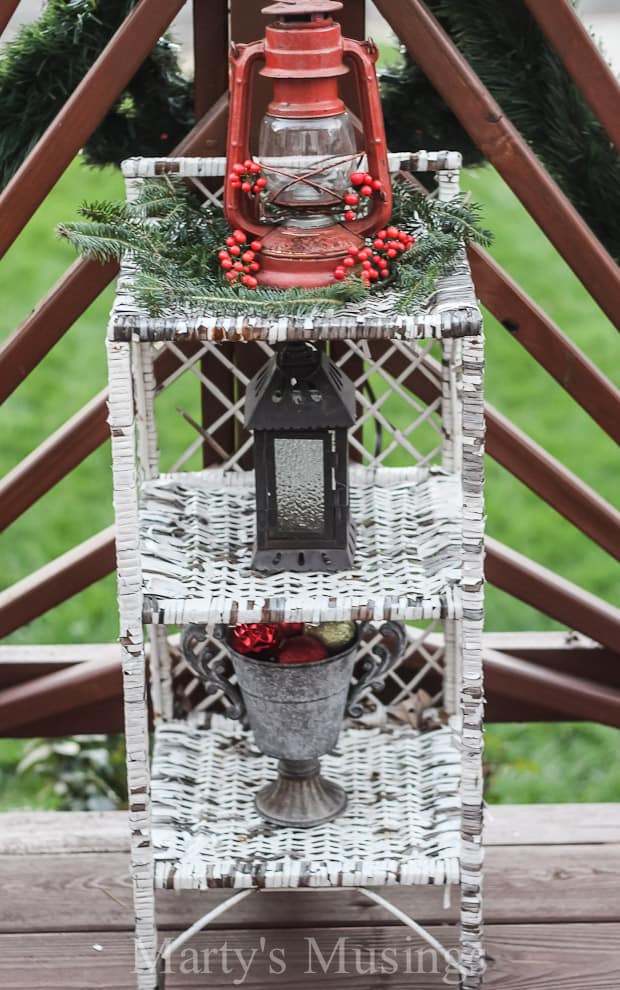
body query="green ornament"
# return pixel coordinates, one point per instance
(336, 636)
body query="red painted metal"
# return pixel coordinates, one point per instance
(305, 59)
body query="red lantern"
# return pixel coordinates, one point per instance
(314, 196)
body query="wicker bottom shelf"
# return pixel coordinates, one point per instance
(402, 824)
(198, 532)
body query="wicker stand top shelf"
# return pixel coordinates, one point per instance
(452, 311)
(198, 531)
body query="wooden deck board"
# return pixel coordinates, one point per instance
(521, 957)
(91, 891)
(552, 910)
(505, 825)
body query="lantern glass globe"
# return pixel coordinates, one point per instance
(310, 192)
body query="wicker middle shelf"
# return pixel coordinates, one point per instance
(198, 531)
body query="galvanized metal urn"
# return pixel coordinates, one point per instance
(295, 712)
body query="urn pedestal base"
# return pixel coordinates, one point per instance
(300, 797)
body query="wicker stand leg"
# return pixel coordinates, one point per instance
(122, 429)
(472, 698)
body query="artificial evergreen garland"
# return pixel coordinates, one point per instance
(505, 46)
(176, 242)
(48, 58)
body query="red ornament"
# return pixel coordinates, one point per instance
(289, 629)
(303, 649)
(258, 639)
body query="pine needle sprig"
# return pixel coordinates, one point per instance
(186, 297)
(174, 240)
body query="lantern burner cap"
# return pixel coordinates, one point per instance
(302, 8)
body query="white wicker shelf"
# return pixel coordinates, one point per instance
(452, 311)
(402, 823)
(198, 531)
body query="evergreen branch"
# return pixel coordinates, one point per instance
(174, 242)
(186, 297)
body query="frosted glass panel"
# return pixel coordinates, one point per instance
(300, 486)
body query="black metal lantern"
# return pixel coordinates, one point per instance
(300, 407)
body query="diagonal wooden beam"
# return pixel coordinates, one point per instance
(85, 279)
(556, 485)
(82, 113)
(57, 581)
(6, 12)
(530, 326)
(551, 594)
(569, 696)
(526, 460)
(541, 337)
(582, 60)
(49, 321)
(505, 148)
(59, 692)
(61, 452)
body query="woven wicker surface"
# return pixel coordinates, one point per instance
(402, 823)
(198, 530)
(452, 311)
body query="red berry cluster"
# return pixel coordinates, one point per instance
(373, 260)
(239, 260)
(364, 187)
(247, 176)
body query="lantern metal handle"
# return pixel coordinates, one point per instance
(200, 659)
(374, 667)
(363, 56)
(242, 61)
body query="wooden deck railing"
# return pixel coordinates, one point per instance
(545, 682)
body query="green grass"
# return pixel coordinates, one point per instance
(539, 762)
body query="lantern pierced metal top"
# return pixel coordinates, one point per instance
(299, 387)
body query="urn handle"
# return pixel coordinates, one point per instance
(198, 656)
(373, 668)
